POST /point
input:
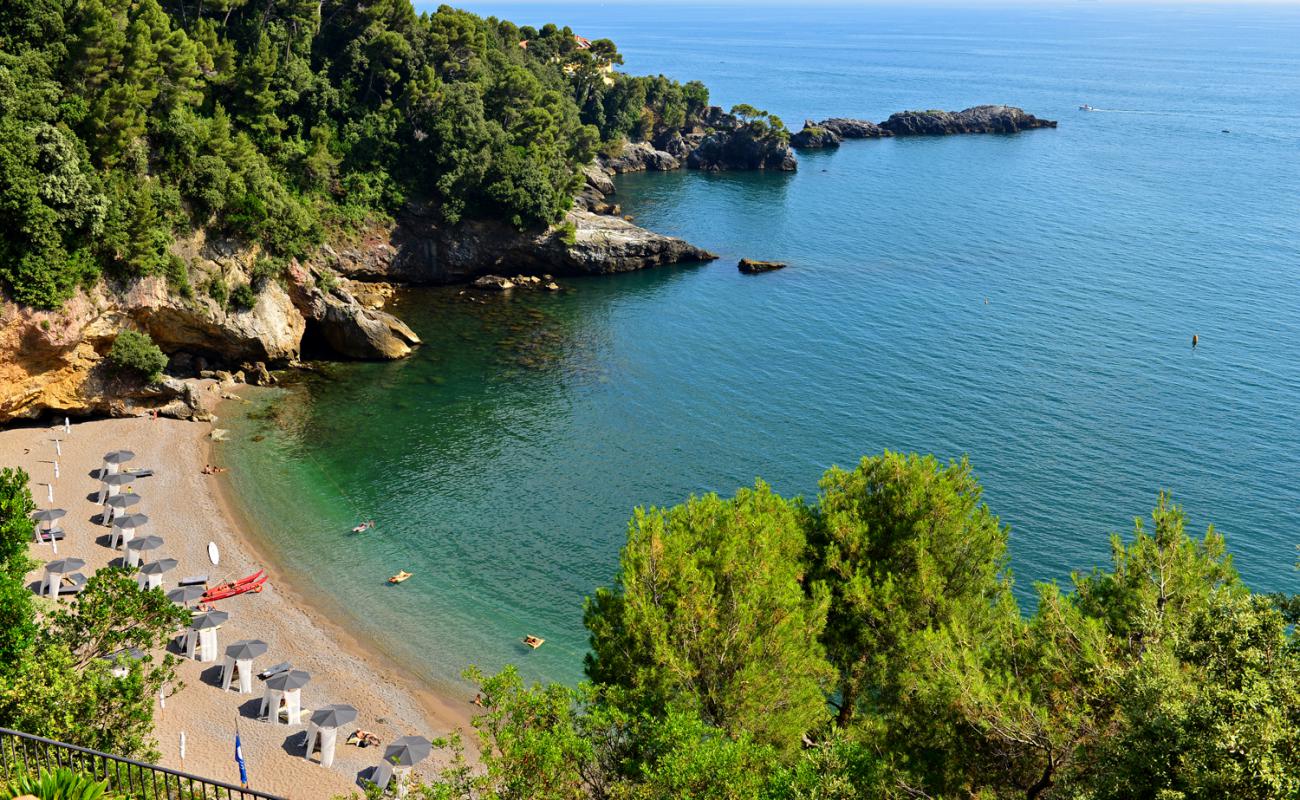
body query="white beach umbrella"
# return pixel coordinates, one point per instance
(239, 659)
(323, 730)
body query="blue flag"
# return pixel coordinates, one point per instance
(239, 759)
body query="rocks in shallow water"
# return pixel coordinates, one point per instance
(814, 136)
(751, 266)
(495, 282)
(979, 119)
(853, 128)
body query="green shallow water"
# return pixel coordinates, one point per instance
(1027, 300)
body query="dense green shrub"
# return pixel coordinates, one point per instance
(135, 352)
(243, 297)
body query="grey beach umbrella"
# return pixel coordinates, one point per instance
(160, 566)
(122, 501)
(118, 479)
(118, 457)
(185, 595)
(125, 654)
(49, 514)
(246, 649)
(63, 566)
(131, 521)
(288, 681)
(209, 620)
(334, 716)
(408, 751)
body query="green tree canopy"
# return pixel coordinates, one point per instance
(709, 613)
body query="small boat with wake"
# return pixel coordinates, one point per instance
(250, 583)
(1086, 107)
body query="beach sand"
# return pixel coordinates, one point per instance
(188, 510)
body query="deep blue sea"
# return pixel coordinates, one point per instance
(1028, 301)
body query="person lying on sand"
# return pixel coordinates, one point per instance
(362, 738)
(478, 700)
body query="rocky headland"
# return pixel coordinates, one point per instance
(978, 119)
(54, 361)
(713, 141)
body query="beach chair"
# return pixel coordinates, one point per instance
(193, 580)
(45, 537)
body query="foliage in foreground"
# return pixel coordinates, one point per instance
(869, 646)
(58, 784)
(54, 678)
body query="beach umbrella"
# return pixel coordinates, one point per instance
(48, 515)
(245, 649)
(119, 661)
(122, 501)
(136, 548)
(65, 565)
(284, 689)
(116, 505)
(113, 461)
(112, 484)
(160, 566)
(201, 637)
(124, 528)
(333, 716)
(54, 572)
(150, 576)
(211, 619)
(288, 680)
(323, 730)
(136, 520)
(408, 751)
(185, 595)
(239, 660)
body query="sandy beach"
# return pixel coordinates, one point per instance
(188, 510)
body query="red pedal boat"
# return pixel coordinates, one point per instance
(252, 583)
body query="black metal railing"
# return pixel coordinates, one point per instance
(22, 753)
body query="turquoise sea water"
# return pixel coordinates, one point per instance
(1027, 300)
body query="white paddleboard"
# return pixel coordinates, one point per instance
(213, 555)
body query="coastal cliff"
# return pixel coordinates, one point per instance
(55, 361)
(977, 119)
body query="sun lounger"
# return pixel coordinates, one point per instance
(283, 666)
(193, 580)
(44, 536)
(71, 584)
(141, 473)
